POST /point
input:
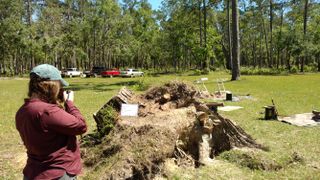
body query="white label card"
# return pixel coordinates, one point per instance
(204, 79)
(129, 110)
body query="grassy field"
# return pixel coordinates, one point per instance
(292, 94)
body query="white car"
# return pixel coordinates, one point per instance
(71, 72)
(131, 73)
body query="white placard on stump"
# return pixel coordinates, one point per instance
(129, 110)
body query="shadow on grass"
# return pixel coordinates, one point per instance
(90, 86)
(228, 81)
(100, 87)
(197, 74)
(158, 74)
(126, 83)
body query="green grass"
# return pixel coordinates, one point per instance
(292, 94)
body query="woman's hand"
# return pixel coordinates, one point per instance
(68, 95)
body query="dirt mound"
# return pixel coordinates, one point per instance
(170, 96)
(172, 123)
(174, 91)
(139, 156)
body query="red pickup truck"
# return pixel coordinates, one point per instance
(110, 73)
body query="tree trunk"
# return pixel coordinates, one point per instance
(264, 30)
(318, 58)
(305, 21)
(206, 59)
(229, 60)
(33, 63)
(280, 35)
(235, 42)
(271, 43)
(260, 50)
(266, 42)
(200, 23)
(16, 64)
(74, 59)
(254, 53)
(29, 12)
(94, 46)
(29, 21)
(288, 60)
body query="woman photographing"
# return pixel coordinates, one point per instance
(48, 130)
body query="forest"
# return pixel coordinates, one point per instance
(181, 35)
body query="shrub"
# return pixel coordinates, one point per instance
(294, 70)
(263, 71)
(140, 85)
(213, 68)
(310, 68)
(205, 72)
(196, 72)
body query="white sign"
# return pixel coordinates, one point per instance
(204, 79)
(129, 110)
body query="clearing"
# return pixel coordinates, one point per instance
(294, 152)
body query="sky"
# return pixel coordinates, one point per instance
(155, 3)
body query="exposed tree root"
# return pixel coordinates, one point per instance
(172, 123)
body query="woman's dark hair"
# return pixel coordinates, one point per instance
(45, 89)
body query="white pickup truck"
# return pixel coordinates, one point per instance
(131, 73)
(71, 72)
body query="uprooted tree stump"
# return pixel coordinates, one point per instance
(172, 123)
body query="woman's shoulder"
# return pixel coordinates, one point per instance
(37, 105)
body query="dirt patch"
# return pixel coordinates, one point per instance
(172, 123)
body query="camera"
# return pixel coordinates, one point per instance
(61, 92)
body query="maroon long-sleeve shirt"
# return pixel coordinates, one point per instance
(49, 134)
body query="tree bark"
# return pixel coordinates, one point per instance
(29, 20)
(288, 60)
(305, 21)
(206, 59)
(318, 58)
(235, 42)
(260, 49)
(254, 53)
(271, 43)
(229, 61)
(264, 30)
(200, 23)
(280, 35)
(29, 12)
(266, 42)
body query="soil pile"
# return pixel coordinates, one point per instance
(172, 123)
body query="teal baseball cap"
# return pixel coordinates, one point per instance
(49, 72)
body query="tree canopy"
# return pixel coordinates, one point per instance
(181, 35)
